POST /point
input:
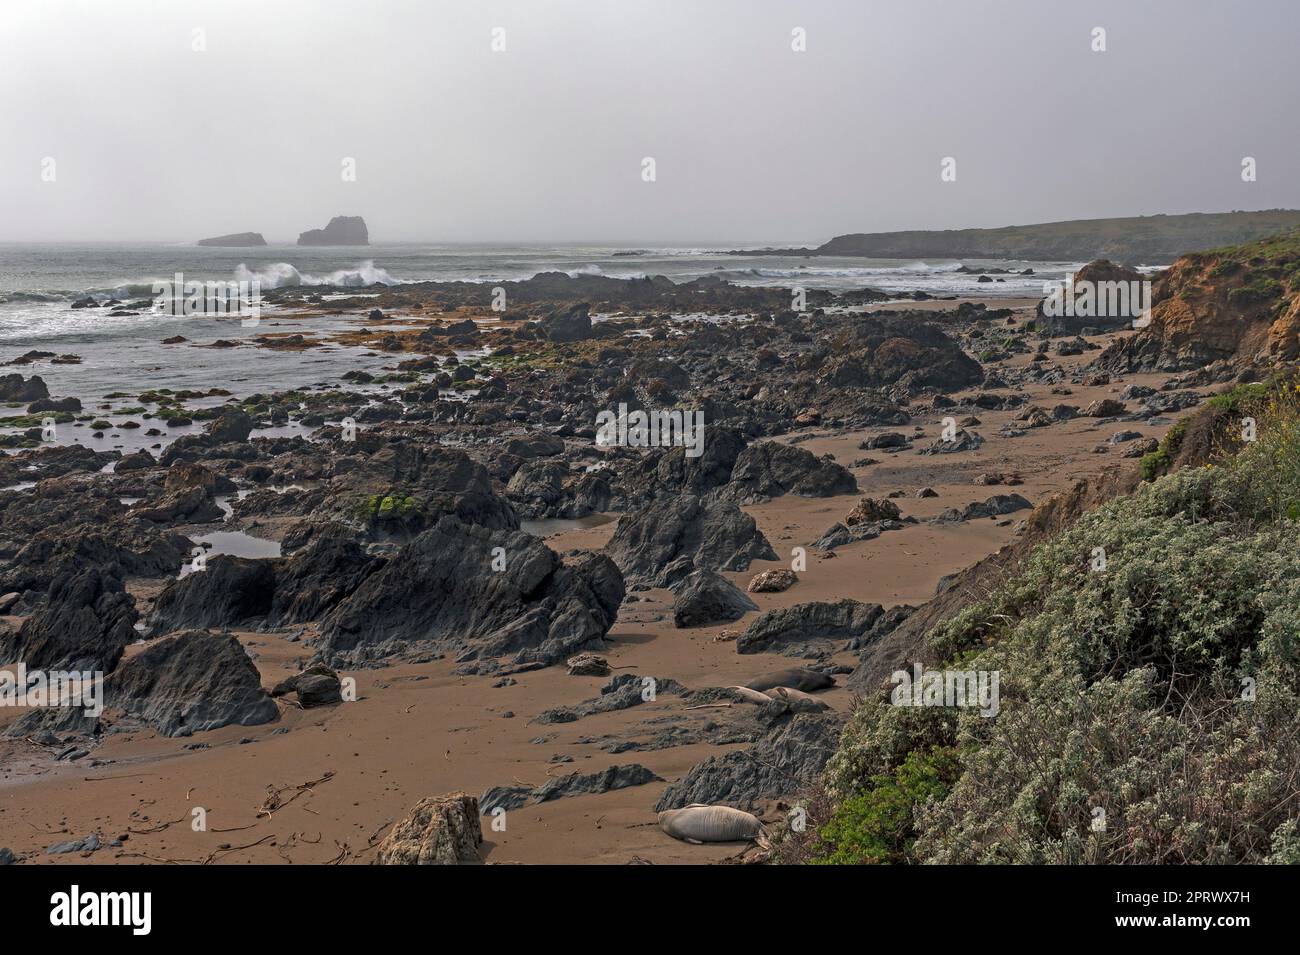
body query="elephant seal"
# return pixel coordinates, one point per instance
(796, 696)
(798, 678)
(699, 823)
(749, 696)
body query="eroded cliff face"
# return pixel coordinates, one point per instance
(1239, 304)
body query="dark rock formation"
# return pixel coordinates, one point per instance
(236, 240)
(568, 324)
(578, 784)
(798, 627)
(233, 424)
(767, 469)
(443, 592)
(16, 389)
(664, 542)
(342, 230)
(318, 685)
(189, 683)
(313, 581)
(229, 591)
(787, 759)
(85, 623)
(706, 597)
(994, 506)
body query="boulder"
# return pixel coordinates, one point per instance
(18, 390)
(569, 323)
(665, 541)
(706, 597)
(442, 830)
(766, 469)
(772, 582)
(233, 424)
(318, 685)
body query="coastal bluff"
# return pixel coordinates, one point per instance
(342, 230)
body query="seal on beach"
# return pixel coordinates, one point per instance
(750, 696)
(797, 678)
(793, 696)
(699, 823)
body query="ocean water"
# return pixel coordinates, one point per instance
(39, 282)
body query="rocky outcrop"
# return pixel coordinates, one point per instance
(803, 626)
(706, 597)
(786, 760)
(664, 542)
(85, 623)
(1096, 288)
(1239, 305)
(890, 351)
(342, 230)
(317, 578)
(189, 683)
(233, 424)
(228, 591)
(995, 506)
(571, 323)
(236, 240)
(19, 390)
(767, 469)
(497, 593)
(441, 830)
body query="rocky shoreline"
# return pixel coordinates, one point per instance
(395, 510)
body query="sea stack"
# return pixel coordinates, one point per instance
(342, 230)
(236, 240)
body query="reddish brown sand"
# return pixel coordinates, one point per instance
(418, 730)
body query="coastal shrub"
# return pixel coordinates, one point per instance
(1148, 710)
(1157, 462)
(876, 826)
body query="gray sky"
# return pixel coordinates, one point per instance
(752, 141)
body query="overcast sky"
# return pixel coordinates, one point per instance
(752, 141)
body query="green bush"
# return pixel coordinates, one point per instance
(876, 827)
(1149, 710)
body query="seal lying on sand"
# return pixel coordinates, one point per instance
(792, 696)
(750, 696)
(798, 678)
(699, 823)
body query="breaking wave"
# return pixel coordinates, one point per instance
(282, 274)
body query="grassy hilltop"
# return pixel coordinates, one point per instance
(1137, 240)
